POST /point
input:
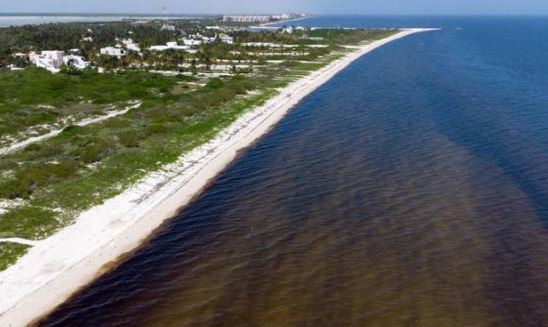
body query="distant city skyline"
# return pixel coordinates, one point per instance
(403, 7)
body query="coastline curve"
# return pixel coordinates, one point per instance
(58, 266)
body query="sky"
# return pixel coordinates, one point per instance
(403, 7)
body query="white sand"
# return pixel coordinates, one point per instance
(21, 241)
(54, 268)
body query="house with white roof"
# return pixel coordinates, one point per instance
(227, 39)
(168, 46)
(50, 60)
(77, 62)
(131, 45)
(207, 39)
(192, 42)
(113, 51)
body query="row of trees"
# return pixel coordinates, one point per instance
(207, 56)
(90, 37)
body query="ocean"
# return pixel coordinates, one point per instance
(410, 190)
(7, 20)
(38, 19)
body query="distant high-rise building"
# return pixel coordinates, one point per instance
(248, 19)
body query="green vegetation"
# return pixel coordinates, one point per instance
(37, 86)
(65, 36)
(58, 178)
(57, 173)
(344, 36)
(34, 96)
(9, 253)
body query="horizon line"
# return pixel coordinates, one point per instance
(157, 14)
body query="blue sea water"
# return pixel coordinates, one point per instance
(14, 19)
(38, 19)
(410, 190)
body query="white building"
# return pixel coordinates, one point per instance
(53, 54)
(227, 39)
(113, 52)
(50, 60)
(168, 46)
(216, 28)
(281, 17)
(260, 44)
(288, 30)
(131, 45)
(192, 42)
(208, 40)
(167, 27)
(247, 19)
(77, 62)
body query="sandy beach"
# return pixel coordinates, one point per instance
(56, 267)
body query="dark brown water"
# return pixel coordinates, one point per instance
(411, 190)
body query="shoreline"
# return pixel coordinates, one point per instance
(60, 265)
(282, 22)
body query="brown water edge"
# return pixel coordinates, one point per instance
(114, 264)
(409, 263)
(430, 263)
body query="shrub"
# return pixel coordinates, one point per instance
(44, 150)
(72, 130)
(94, 152)
(28, 179)
(9, 253)
(6, 164)
(129, 139)
(214, 83)
(16, 188)
(28, 222)
(156, 128)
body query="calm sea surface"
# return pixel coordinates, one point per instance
(7, 20)
(411, 190)
(17, 20)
